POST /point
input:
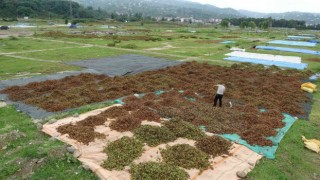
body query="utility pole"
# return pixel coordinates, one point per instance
(70, 3)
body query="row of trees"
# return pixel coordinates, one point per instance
(314, 27)
(263, 23)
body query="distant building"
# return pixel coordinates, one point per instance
(186, 20)
(214, 21)
(179, 19)
(197, 21)
(160, 18)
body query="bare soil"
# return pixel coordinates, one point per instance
(313, 59)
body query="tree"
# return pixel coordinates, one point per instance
(136, 17)
(224, 23)
(113, 15)
(243, 24)
(25, 11)
(252, 25)
(292, 24)
(264, 25)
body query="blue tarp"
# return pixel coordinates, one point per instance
(73, 26)
(267, 62)
(314, 77)
(267, 151)
(307, 35)
(314, 41)
(293, 43)
(304, 51)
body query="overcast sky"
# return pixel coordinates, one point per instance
(268, 6)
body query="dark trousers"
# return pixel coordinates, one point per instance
(216, 98)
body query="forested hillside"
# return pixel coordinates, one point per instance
(169, 8)
(47, 8)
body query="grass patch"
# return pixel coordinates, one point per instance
(13, 68)
(185, 156)
(74, 54)
(130, 46)
(154, 135)
(70, 167)
(122, 152)
(14, 44)
(315, 113)
(184, 129)
(153, 170)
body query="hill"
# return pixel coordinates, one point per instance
(309, 18)
(170, 8)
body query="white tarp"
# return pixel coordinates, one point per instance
(269, 57)
(237, 49)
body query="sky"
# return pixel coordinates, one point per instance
(267, 6)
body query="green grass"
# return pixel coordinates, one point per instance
(103, 42)
(28, 44)
(315, 113)
(14, 68)
(95, 41)
(34, 145)
(75, 54)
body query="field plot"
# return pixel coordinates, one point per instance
(74, 54)
(17, 44)
(13, 67)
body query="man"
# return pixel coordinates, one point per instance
(219, 94)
